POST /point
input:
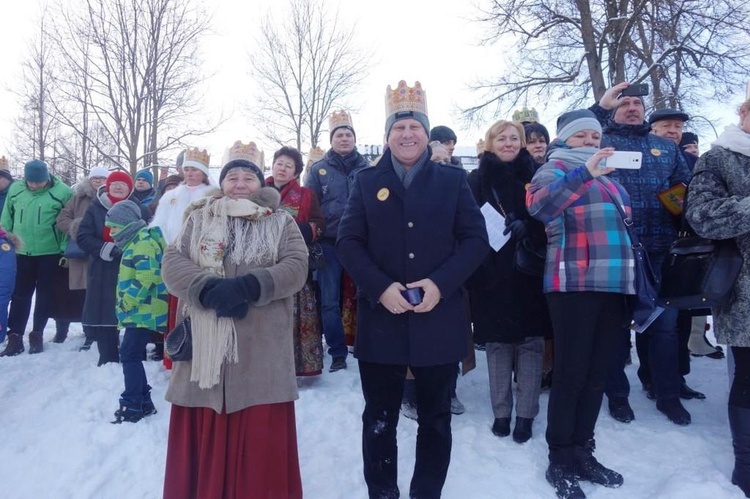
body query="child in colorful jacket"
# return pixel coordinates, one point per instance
(141, 303)
(8, 245)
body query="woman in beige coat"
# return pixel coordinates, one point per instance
(235, 269)
(69, 220)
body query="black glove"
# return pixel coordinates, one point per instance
(210, 284)
(517, 228)
(306, 231)
(236, 312)
(230, 292)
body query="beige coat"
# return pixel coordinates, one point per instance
(68, 221)
(265, 371)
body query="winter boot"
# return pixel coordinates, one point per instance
(739, 424)
(563, 478)
(36, 342)
(620, 410)
(14, 345)
(501, 427)
(128, 415)
(522, 430)
(589, 469)
(456, 406)
(674, 410)
(86, 345)
(60, 337)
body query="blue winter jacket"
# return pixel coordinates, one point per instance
(331, 180)
(663, 166)
(7, 279)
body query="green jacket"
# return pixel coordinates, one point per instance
(141, 293)
(32, 216)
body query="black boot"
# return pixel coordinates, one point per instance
(619, 408)
(501, 427)
(14, 345)
(739, 424)
(563, 478)
(589, 469)
(127, 415)
(36, 342)
(674, 410)
(522, 430)
(688, 393)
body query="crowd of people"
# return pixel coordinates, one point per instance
(418, 263)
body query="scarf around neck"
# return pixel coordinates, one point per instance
(126, 233)
(735, 139)
(572, 157)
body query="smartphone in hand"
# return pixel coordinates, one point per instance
(628, 160)
(636, 90)
(413, 295)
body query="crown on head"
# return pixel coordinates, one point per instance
(248, 152)
(3, 163)
(405, 98)
(339, 119)
(480, 146)
(315, 155)
(526, 114)
(196, 158)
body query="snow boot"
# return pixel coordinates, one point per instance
(36, 342)
(128, 415)
(86, 345)
(589, 469)
(14, 345)
(739, 424)
(620, 410)
(501, 427)
(674, 410)
(563, 478)
(522, 430)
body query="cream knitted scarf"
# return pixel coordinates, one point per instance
(246, 233)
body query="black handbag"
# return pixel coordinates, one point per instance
(645, 306)
(529, 260)
(179, 341)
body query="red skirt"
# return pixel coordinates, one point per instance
(171, 323)
(250, 454)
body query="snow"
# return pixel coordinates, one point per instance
(57, 440)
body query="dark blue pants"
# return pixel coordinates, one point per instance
(383, 387)
(34, 274)
(329, 280)
(132, 348)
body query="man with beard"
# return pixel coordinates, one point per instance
(663, 166)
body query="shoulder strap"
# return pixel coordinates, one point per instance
(626, 220)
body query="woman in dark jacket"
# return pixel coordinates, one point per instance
(508, 309)
(104, 263)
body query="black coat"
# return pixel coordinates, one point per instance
(507, 305)
(101, 281)
(390, 234)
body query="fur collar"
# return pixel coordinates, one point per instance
(84, 189)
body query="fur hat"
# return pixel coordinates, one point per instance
(36, 171)
(572, 122)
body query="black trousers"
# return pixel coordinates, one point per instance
(383, 387)
(586, 328)
(739, 394)
(108, 342)
(34, 274)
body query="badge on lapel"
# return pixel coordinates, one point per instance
(383, 194)
(656, 152)
(322, 171)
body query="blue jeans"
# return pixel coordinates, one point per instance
(137, 391)
(329, 280)
(662, 344)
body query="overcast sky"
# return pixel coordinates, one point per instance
(433, 41)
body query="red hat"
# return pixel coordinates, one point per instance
(120, 176)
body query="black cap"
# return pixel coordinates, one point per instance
(443, 134)
(688, 138)
(667, 114)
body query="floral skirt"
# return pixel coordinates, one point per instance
(308, 341)
(249, 454)
(349, 309)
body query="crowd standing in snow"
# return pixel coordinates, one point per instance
(527, 258)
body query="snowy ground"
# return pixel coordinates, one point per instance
(58, 443)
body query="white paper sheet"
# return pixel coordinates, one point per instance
(495, 223)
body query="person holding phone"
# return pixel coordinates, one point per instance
(508, 310)
(588, 273)
(662, 167)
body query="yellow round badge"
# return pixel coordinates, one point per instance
(383, 194)
(656, 152)
(5, 247)
(322, 171)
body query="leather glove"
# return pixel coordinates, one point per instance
(517, 229)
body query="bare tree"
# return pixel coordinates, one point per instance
(689, 50)
(307, 64)
(130, 66)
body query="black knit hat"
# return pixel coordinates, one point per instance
(667, 114)
(242, 163)
(688, 138)
(442, 133)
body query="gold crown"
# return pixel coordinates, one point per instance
(248, 152)
(405, 98)
(315, 155)
(339, 119)
(196, 158)
(526, 114)
(480, 146)
(3, 163)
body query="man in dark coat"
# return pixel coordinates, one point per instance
(410, 224)
(663, 166)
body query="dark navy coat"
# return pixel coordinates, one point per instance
(390, 234)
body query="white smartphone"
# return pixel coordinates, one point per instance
(630, 160)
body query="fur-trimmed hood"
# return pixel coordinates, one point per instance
(84, 189)
(12, 238)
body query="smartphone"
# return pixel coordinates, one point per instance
(629, 160)
(413, 295)
(635, 90)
